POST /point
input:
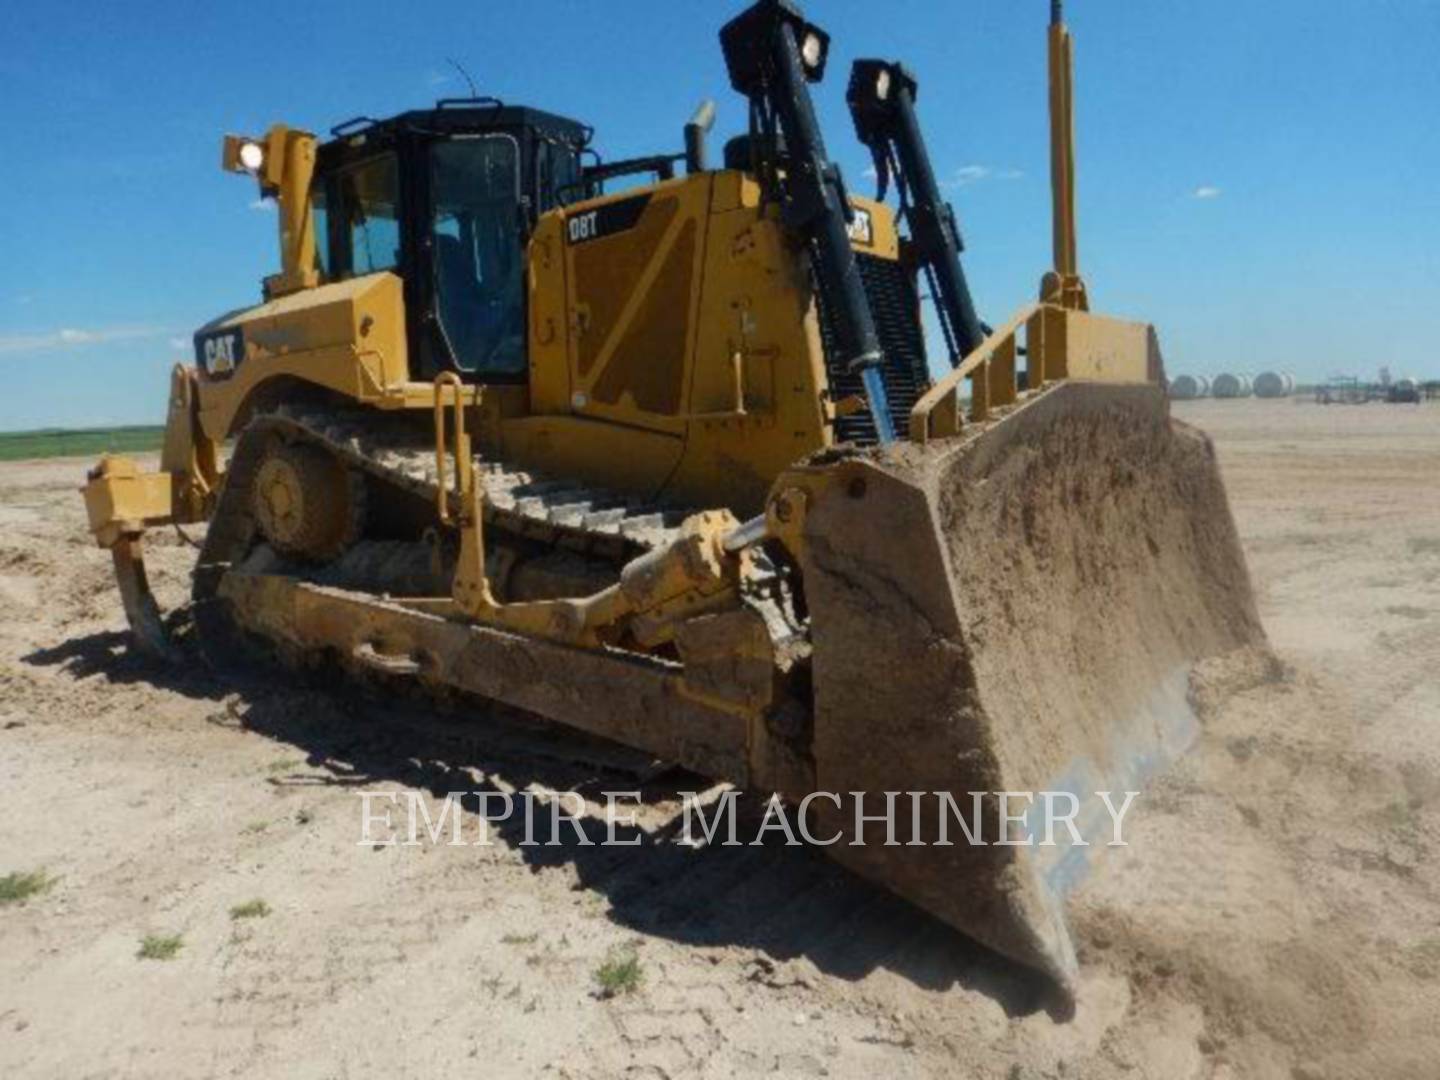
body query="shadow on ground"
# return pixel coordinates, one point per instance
(783, 901)
(112, 655)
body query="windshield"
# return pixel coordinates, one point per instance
(475, 184)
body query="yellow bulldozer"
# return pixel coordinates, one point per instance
(667, 464)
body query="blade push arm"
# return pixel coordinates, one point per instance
(772, 53)
(882, 103)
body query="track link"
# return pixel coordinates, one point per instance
(401, 453)
(526, 503)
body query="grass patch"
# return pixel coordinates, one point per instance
(160, 946)
(90, 442)
(251, 909)
(285, 765)
(16, 888)
(619, 974)
(519, 939)
(255, 828)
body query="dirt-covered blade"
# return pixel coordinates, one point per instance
(1016, 610)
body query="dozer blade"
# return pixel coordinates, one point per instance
(1014, 610)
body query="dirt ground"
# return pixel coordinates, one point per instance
(1277, 913)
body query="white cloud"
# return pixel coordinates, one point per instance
(438, 78)
(1206, 191)
(179, 343)
(263, 205)
(67, 337)
(870, 173)
(974, 174)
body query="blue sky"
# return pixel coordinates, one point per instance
(1258, 179)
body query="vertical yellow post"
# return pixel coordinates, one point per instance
(980, 393)
(294, 154)
(297, 227)
(1001, 374)
(471, 587)
(1063, 286)
(1036, 369)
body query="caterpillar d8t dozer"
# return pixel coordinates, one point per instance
(666, 464)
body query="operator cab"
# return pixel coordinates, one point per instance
(446, 198)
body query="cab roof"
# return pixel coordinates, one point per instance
(462, 115)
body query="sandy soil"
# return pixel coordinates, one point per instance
(1276, 913)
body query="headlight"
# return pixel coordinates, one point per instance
(252, 156)
(812, 51)
(882, 84)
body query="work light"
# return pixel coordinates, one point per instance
(252, 156)
(882, 84)
(812, 51)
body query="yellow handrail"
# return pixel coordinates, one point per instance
(992, 368)
(464, 463)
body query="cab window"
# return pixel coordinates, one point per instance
(365, 235)
(478, 245)
(557, 168)
(320, 217)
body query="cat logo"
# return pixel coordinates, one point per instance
(220, 353)
(861, 229)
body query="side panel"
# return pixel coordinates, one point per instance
(633, 269)
(674, 342)
(757, 399)
(348, 337)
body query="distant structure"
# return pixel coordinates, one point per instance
(1231, 386)
(1403, 392)
(1349, 390)
(1342, 390)
(1189, 387)
(1274, 384)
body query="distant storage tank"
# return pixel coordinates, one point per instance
(1189, 387)
(1272, 384)
(1231, 386)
